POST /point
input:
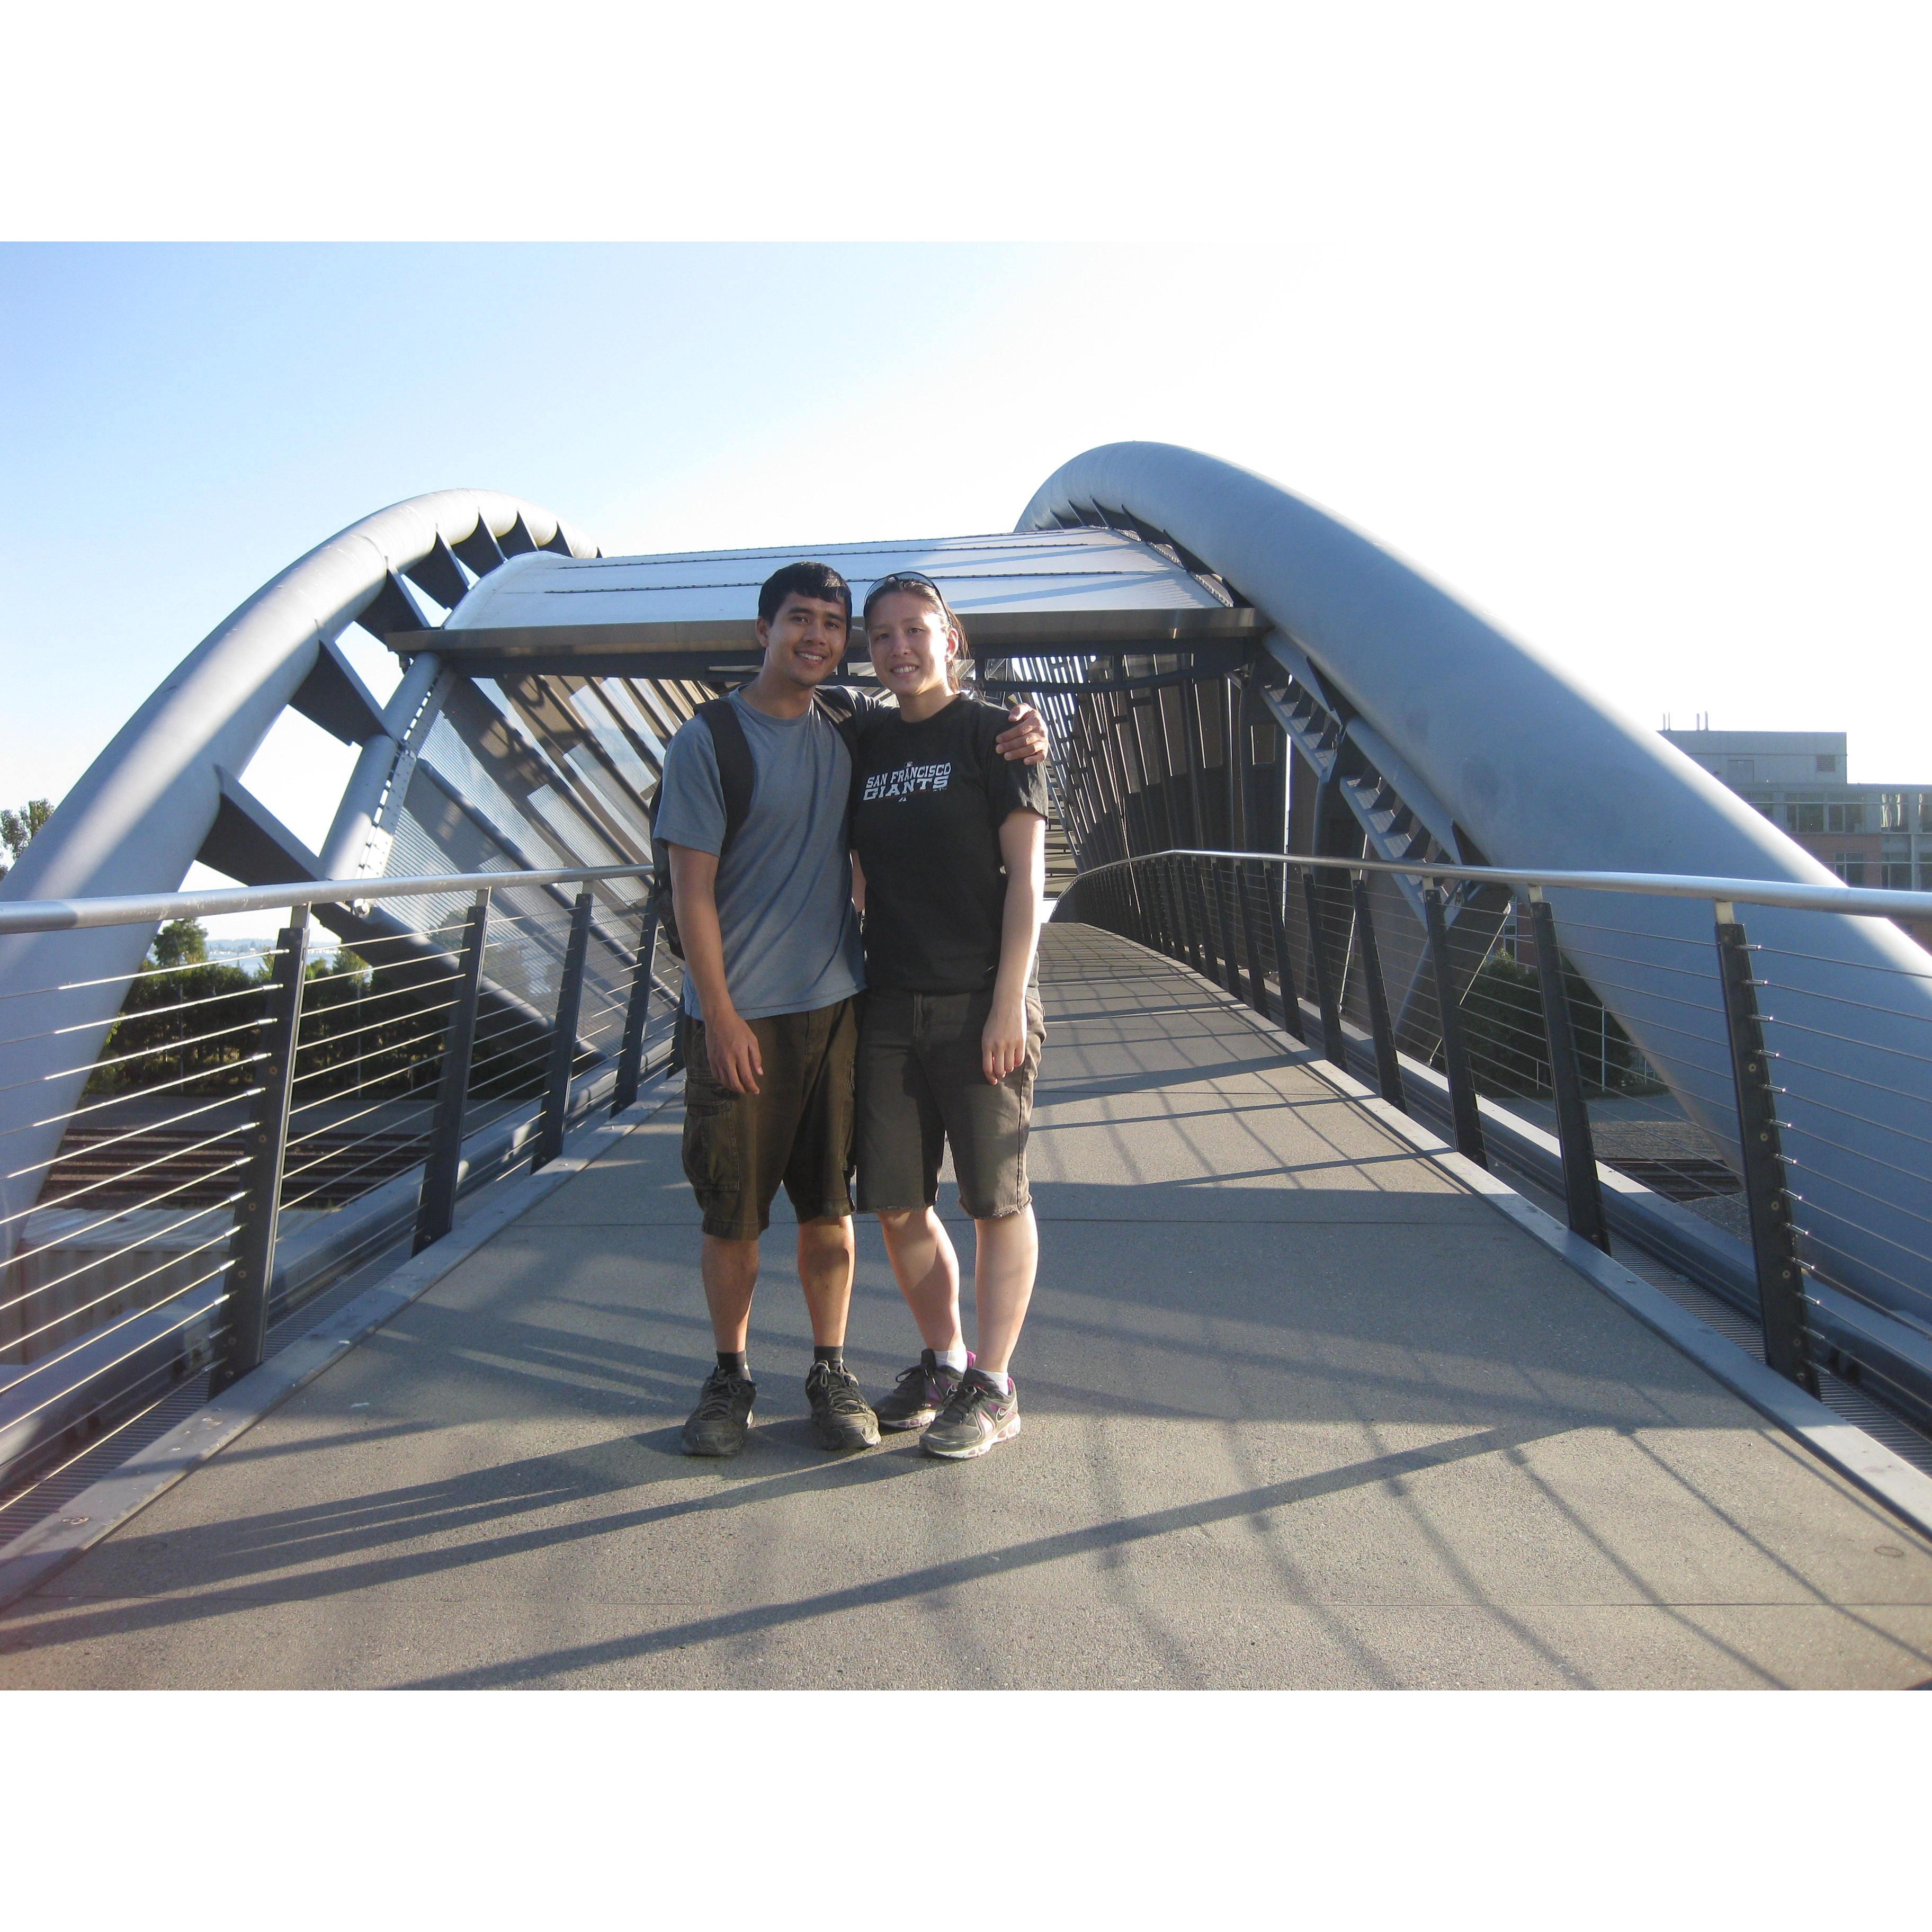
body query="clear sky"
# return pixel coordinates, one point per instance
(1636, 365)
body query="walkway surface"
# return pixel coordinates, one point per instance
(1299, 1412)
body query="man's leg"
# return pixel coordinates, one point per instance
(815, 1178)
(826, 1256)
(729, 1160)
(730, 1271)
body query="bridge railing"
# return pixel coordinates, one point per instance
(255, 1127)
(1697, 1066)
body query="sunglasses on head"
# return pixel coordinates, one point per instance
(904, 579)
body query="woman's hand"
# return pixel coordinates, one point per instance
(1003, 1046)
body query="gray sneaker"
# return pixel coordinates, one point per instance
(840, 1417)
(976, 1417)
(920, 1393)
(717, 1426)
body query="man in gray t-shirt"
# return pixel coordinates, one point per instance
(770, 1030)
(784, 890)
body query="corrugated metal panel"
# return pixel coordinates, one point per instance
(1094, 587)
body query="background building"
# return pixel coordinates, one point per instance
(1870, 834)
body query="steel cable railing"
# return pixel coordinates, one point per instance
(255, 1128)
(1735, 1129)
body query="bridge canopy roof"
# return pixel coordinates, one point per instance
(687, 611)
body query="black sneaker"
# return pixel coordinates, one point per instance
(921, 1392)
(976, 1417)
(840, 1417)
(716, 1427)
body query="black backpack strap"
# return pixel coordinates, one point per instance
(735, 772)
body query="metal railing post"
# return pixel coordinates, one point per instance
(1334, 1044)
(1388, 1068)
(1251, 945)
(563, 1038)
(1227, 905)
(1467, 1116)
(1780, 1275)
(1284, 972)
(1224, 929)
(436, 1206)
(1189, 953)
(1582, 1194)
(1210, 957)
(637, 1014)
(1224, 915)
(245, 1338)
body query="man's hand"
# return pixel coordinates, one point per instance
(732, 1047)
(1023, 741)
(1002, 1044)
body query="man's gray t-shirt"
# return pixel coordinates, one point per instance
(784, 888)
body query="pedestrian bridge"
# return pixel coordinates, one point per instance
(1304, 1408)
(1484, 1168)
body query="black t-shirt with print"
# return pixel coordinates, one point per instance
(928, 803)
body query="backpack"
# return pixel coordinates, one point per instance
(736, 775)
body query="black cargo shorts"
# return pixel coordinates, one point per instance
(921, 1086)
(796, 1129)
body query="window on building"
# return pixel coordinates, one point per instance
(1807, 818)
(1844, 818)
(1891, 811)
(1740, 771)
(1765, 805)
(1850, 866)
(1898, 878)
(1828, 761)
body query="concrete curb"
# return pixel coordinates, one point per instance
(101, 1509)
(1860, 1458)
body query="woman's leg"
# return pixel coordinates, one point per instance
(1007, 1259)
(928, 1272)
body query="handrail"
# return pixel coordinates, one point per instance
(136, 909)
(70, 915)
(1669, 885)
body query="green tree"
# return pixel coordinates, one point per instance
(182, 942)
(17, 828)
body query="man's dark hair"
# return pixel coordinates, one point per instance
(802, 579)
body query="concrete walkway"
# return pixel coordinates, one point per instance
(1299, 1411)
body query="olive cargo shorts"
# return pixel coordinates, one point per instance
(921, 1085)
(796, 1129)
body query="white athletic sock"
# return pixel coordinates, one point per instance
(954, 1359)
(1002, 1382)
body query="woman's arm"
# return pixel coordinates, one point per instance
(1023, 846)
(858, 890)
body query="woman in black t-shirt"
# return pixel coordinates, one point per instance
(950, 844)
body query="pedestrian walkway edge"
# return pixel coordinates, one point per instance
(101, 1509)
(1864, 1461)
